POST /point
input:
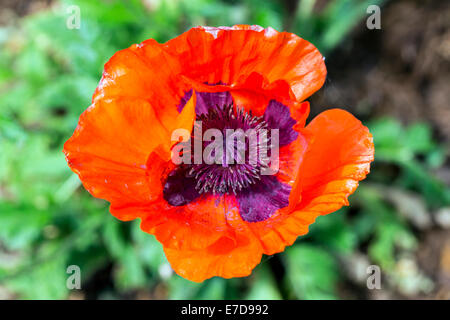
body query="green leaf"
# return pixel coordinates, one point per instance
(46, 280)
(21, 225)
(312, 273)
(130, 272)
(263, 286)
(180, 289)
(214, 289)
(334, 232)
(148, 249)
(418, 138)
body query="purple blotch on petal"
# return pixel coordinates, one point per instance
(206, 100)
(260, 201)
(278, 116)
(179, 189)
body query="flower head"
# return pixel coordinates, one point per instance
(222, 207)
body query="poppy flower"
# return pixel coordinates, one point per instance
(215, 219)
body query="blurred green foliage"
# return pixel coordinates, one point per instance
(48, 222)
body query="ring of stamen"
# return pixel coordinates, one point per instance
(245, 168)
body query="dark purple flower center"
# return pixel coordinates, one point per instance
(237, 167)
(229, 168)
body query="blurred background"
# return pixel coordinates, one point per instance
(396, 80)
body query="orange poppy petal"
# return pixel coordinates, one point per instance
(339, 152)
(233, 254)
(232, 55)
(110, 148)
(290, 159)
(256, 64)
(144, 71)
(191, 227)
